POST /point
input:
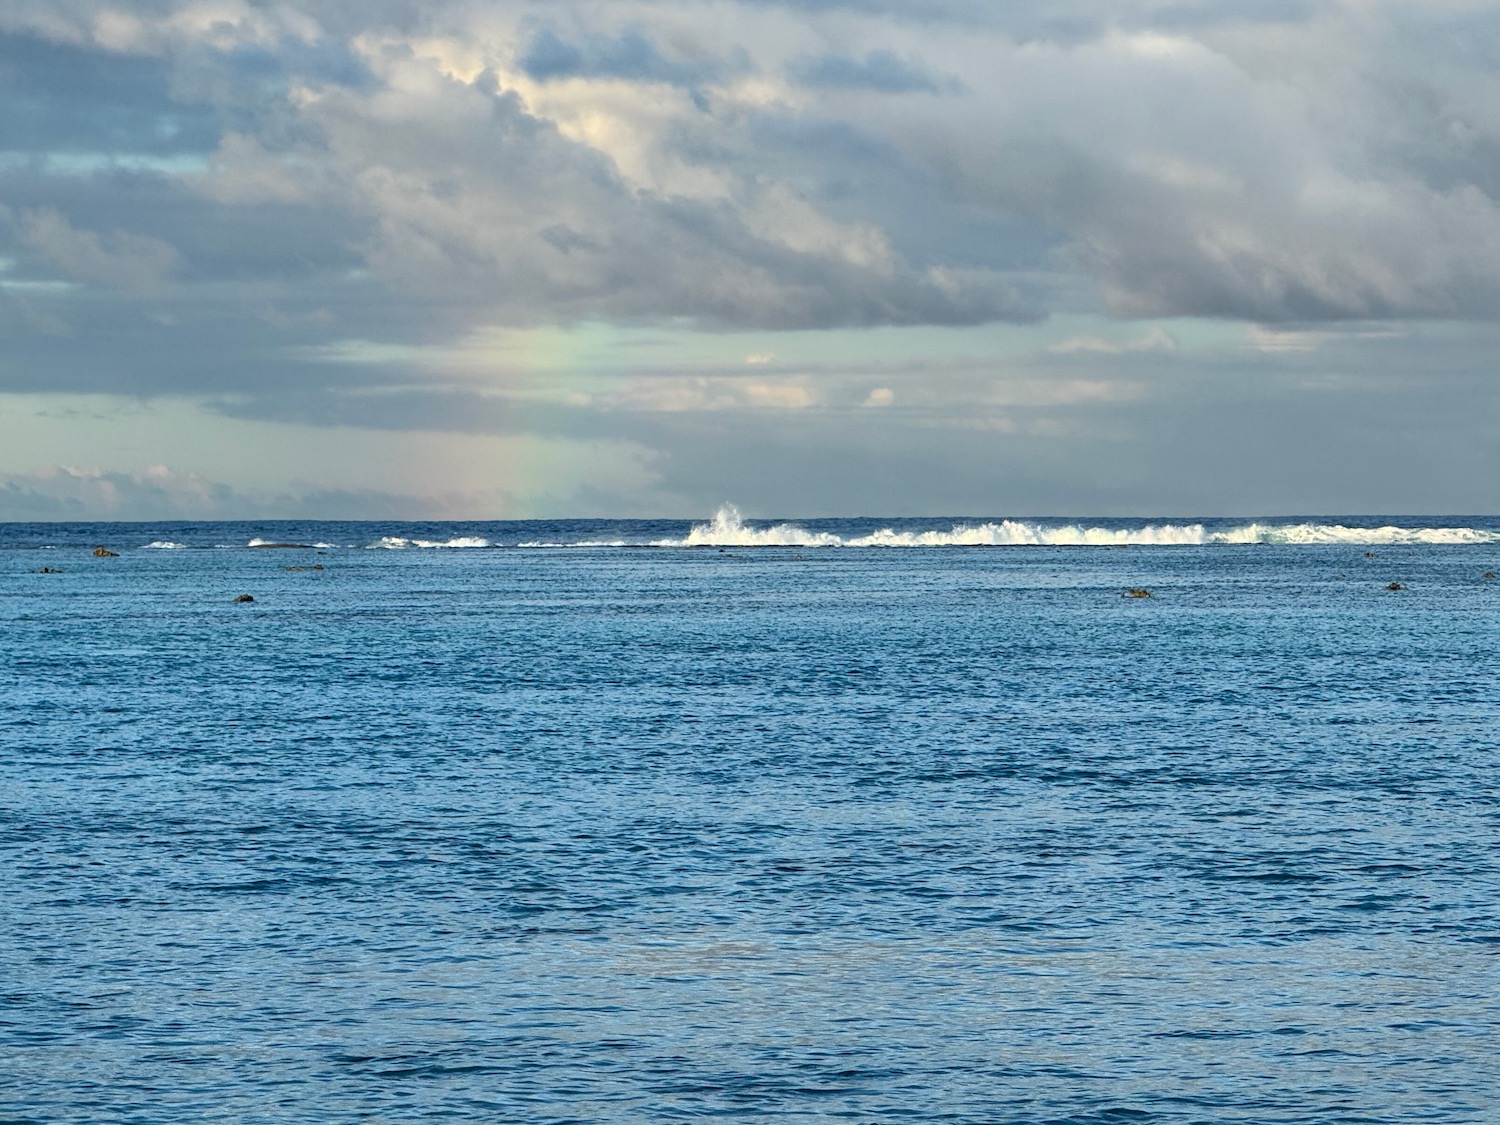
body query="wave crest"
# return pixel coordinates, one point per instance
(397, 543)
(728, 529)
(1334, 533)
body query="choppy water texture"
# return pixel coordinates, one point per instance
(767, 834)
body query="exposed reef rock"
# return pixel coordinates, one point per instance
(243, 598)
(1137, 592)
(105, 553)
(1395, 586)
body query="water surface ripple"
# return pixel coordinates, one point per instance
(768, 834)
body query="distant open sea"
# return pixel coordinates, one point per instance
(868, 821)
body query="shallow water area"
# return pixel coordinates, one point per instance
(753, 823)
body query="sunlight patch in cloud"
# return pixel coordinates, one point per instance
(684, 394)
(1277, 340)
(1156, 340)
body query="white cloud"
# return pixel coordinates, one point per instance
(683, 394)
(1275, 340)
(605, 476)
(1156, 340)
(243, 171)
(67, 491)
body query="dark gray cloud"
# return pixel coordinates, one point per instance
(64, 99)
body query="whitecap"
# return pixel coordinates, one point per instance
(398, 543)
(728, 529)
(1333, 533)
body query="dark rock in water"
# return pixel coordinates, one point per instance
(1488, 574)
(105, 553)
(1369, 554)
(243, 598)
(1395, 586)
(48, 570)
(295, 569)
(281, 546)
(1137, 592)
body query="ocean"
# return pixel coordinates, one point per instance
(924, 820)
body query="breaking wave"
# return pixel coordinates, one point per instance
(164, 545)
(729, 529)
(397, 543)
(1334, 533)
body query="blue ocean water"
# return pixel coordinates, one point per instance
(758, 824)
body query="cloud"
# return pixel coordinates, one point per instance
(119, 259)
(632, 56)
(652, 162)
(602, 475)
(1063, 392)
(880, 396)
(68, 492)
(1156, 340)
(202, 196)
(1274, 340)
(684, 394)
(475, 201)
(883, 72)
(160, 493)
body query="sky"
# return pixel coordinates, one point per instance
(480, 259)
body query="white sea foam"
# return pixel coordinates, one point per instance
(397, 543)
(728, 529)
(1354, 536)
(164, 545)
(259, 542)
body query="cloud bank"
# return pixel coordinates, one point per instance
(755, 165)
(288, 209)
